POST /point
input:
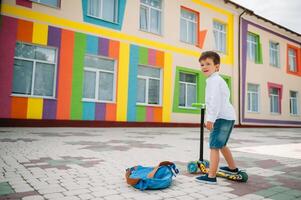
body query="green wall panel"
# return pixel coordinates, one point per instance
(77, 76)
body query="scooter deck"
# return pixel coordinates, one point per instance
(195, 167)
(241, 176)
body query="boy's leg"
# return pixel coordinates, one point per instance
(214, 160)
(228, 157)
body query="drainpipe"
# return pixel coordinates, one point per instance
(239, 66)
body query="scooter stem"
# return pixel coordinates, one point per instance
(202, 132)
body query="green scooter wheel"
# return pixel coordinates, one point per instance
(244, 176)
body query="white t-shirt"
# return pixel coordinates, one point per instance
(218, 104)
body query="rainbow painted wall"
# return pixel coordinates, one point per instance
(77, 35)
(72, 46)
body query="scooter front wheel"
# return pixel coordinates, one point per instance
(192, 167)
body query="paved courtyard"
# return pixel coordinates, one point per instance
(90, 163)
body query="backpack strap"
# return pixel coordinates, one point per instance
(131, 181)
(164, 163)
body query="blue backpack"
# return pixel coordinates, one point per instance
(152, 178)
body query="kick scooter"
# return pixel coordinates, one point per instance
(202, 165)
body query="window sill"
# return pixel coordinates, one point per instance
(32, 96)
(274, 66)
(294, 115)
(254, 61)
(97, 101)
(185, 42)
(253, 112)
(42, 4)
(100, 19)
(188, 108)
(276, 114)
(157, 34)
(148, 105)
(293, 72)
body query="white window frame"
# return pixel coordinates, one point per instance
(251, 47)
(187, 30)
(274, 52)
(98, 71)
(147, 78)
(296, 99)
(272, 102)
(292, 57)
(148, 7)
(101, 11)
(39, 2)
(251, 97)
(186, 85)
(221, 35)
(33, 72)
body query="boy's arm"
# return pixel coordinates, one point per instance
(213, 101)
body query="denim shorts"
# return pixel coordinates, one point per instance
(220, 134)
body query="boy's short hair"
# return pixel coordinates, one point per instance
(210, 54)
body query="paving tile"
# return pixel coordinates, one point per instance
(6, 188)
(90, 163)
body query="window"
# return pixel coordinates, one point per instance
(188, 83)
(274, 100)
(253, 97)
(99, 79)
(188, 90)
(149, 85)
(219, 33)
(52, 3)
(274, 54)
(293, 103)
(34, 70)
(150, 16)
(292, 60)
(188, 26)
(103, 9)
(252, 46)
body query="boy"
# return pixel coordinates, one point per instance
(220, 116)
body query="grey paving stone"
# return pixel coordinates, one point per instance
(90, 163)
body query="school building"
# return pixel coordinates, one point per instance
(135, 63)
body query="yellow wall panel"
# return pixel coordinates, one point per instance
(123, 76)
(40, 34)
(35, 108)
(167, 88)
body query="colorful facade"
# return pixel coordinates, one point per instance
(278, 84)
(137, 61)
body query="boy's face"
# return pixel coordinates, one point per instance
(208, 67)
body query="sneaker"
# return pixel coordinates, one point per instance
(206, 179)
(228, 170)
